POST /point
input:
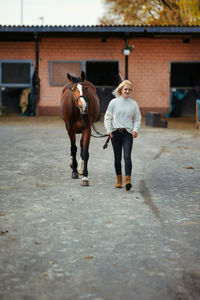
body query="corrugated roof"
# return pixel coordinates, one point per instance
(28, 33)
(102, 29)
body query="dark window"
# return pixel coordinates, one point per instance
(16, 73)
(185, 74)
(103, 73)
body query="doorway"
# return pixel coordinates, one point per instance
(184, 88)
(15, 76)
(105, 76)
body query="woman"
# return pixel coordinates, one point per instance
(122, 122)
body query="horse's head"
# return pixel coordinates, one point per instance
(79, 92)
(79, 96)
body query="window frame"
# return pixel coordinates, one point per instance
(4, 85)
(61, 61)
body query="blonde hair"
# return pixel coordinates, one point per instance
(118, 91)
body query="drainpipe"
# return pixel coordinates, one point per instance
(36, 54)
(35, 78)
(126, 66)
(126, 52)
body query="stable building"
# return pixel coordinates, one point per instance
(162, 62)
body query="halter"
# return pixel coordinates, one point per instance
(76, 100)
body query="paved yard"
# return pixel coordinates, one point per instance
(62, 241)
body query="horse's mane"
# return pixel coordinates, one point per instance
(90, 84)
(65, 87)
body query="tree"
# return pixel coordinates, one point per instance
(151, 12)
(179, 12)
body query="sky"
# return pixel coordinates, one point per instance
(51, 12)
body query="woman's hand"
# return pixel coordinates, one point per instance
(110, 134)
(134, 134)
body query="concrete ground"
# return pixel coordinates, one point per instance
(59, 240)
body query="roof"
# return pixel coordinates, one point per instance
(29, 32)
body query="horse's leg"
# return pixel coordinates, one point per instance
(85, 154)
(81, 162)
(73, 163)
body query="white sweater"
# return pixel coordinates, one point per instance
(122, 113)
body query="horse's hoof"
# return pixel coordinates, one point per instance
(74, 175)
(85, 181)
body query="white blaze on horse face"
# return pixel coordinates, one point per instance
(83, 102)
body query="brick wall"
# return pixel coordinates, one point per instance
(71, 49)
(149, 67)
(149, 64)
(17, 50)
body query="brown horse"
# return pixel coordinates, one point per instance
(80, 108)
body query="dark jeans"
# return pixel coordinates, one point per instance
(122, 140)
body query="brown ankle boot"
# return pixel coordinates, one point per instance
(119, 181)
(128, 184)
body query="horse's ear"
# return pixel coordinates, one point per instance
(83, 76)
(69, 77)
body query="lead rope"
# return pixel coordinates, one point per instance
(100, 136)
(97, 132)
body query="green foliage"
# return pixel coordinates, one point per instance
(152, 12)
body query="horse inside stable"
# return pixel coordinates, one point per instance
(80, 108)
